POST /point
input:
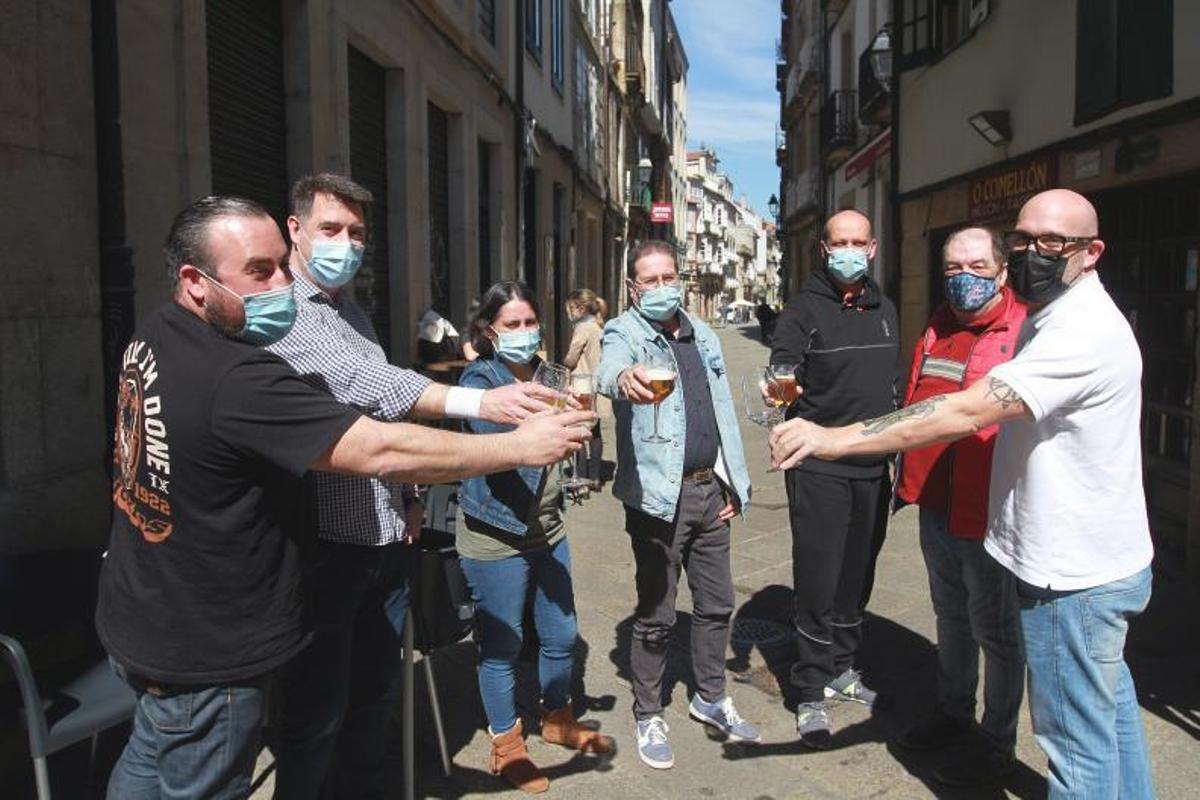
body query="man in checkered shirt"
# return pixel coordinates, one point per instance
(337, 694)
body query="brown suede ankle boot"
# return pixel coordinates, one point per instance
(510, 759)
(561, 727)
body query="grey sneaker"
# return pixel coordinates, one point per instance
(652, 744)
(849, 686)
(724, 717)
(812, 723)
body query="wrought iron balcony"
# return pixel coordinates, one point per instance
(838, 124)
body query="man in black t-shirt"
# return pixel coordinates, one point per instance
(200, 592)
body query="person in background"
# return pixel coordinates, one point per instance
(601, 311)
(512, 542)
(974, 598)
(437, 338)
(583, 357)
(842, 334)
(1066, 508)
(679, 495)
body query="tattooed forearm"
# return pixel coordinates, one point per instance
(919, 410)
(1002, 394)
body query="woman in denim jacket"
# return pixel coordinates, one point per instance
(512, 543)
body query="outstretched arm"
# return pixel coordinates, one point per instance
(938, 419)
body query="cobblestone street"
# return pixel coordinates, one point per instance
(897, 657)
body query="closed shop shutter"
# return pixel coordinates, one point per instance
(247, 131)
(368, 166)
(439, 208)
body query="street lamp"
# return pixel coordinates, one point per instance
(881, 57)
(773, 207)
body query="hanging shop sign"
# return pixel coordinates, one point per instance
(662, 212)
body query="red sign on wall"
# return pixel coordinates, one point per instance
(662, 212)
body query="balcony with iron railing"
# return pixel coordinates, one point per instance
(839, 125)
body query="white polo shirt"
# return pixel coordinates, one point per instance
(1066, 507)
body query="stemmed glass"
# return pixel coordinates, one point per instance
(660, 371)
(582, 387)
(554, 376)
(763, 399)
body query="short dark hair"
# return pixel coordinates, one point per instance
(187, 242)
(341, 187)
(489, 307)
(648, 248)
(997, 242)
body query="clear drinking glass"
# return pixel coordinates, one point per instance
(556, 377)
(763, 398)
(582, 388)
(784, 375)
(660, 370)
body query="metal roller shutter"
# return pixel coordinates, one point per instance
(368, 166)
(247, 131)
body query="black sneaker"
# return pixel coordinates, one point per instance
(978, 765)
(936, 731)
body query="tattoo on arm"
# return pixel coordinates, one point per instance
(1002, 394)
(920, 410)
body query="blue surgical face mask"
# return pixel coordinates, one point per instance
(269, 315)
(659, 303)
(847, 265)
(518, 347)
(967, 292)
(333, 263)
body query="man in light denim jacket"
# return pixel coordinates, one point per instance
(679, 494)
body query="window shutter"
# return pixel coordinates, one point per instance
(1096, 65)
(1145, 53)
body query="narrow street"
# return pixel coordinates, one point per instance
(898, 658)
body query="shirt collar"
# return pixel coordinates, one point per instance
(308, 290)
(686, 331)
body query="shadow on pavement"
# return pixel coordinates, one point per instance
(897, 662)
(1163, 649)
(679, 662)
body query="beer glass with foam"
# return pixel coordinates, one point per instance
(660, 372)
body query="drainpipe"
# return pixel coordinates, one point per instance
(116, 258)
(894, 162)
(519, 137)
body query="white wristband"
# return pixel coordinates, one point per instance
(463, 403)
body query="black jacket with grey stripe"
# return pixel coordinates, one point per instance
(847, 362)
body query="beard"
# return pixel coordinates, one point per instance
(225, 317)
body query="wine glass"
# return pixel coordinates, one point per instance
(583, 391)
(784, 374)
(660, 371)
(763, 399)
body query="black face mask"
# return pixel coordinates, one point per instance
(1037, 279)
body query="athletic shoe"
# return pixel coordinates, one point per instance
(849, 686)
(724, 717)
(812, 723)
(652, 744)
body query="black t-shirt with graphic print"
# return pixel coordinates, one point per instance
(202, 580)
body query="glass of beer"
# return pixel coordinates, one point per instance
(556, 377)
(784, 375)
(583, 391)
(764, 400)
(660, 371)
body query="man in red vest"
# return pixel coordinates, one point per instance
(974, 597)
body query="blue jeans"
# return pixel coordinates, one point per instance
(500, 589)
(338, 693)
(196, 741)
(1081, 696)
(975, 603)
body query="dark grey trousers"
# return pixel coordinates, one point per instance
(698, 542)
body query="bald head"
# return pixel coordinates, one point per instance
(1058, 211)
(847, 227)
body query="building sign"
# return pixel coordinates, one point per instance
(1001, 194)
(866, 158)
(662, 212)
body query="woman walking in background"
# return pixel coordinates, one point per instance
(582, 358)
(512, 543)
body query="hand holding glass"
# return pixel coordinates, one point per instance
(660, 374)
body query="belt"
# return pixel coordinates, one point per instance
(700, 475)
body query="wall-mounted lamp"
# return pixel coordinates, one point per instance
(773, 206)
(994, 126)
(881, 57)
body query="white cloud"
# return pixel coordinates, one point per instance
(727, 121)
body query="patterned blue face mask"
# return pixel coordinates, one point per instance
(967, 292)
(269, 315)
(847, 264)
(518, 347)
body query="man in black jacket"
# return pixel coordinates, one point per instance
(841, 334)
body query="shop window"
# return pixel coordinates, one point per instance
(1123, 55)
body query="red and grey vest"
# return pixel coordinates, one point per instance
(952, 477)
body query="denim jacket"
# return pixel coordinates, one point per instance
(649, 475)
(503, 499)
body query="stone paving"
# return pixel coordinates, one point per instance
(898, 658)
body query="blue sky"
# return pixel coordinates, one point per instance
(732, 102)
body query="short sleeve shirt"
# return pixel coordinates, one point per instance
(202, 580)
(1066, 505)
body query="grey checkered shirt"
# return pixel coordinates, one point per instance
(333, 348)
